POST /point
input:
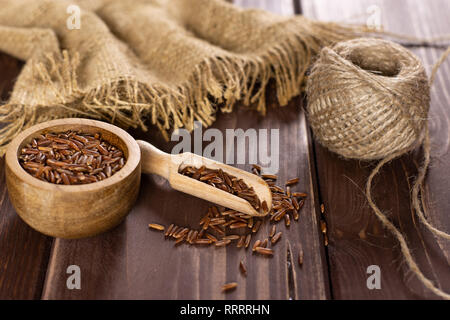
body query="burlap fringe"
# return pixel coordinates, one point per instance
(217, 82)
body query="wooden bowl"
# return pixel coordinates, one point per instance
(74, 211)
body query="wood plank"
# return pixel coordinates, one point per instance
(23, 252)
(357, 239)
(132, 262)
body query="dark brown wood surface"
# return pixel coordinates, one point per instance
(132, 261)
(24, 252)
(135, 262)
(357, 239)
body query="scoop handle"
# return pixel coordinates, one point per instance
(166, 165)
(154, 160)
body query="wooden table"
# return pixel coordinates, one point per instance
(131, 262)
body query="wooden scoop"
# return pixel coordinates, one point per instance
(75, 211)
(167, 166)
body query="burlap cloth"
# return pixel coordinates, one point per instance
(167, 63)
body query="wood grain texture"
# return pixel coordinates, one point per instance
(131, 261)
(134, 262)
(357, 239)
(23, 252)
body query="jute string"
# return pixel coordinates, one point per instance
(167, 63)
(368, 99)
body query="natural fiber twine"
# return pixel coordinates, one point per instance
(168, 63)
(368, 99)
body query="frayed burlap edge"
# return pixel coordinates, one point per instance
(216, 82)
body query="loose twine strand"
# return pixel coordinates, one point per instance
(332, 110)
(427, 150)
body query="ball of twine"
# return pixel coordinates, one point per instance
(367, 98)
